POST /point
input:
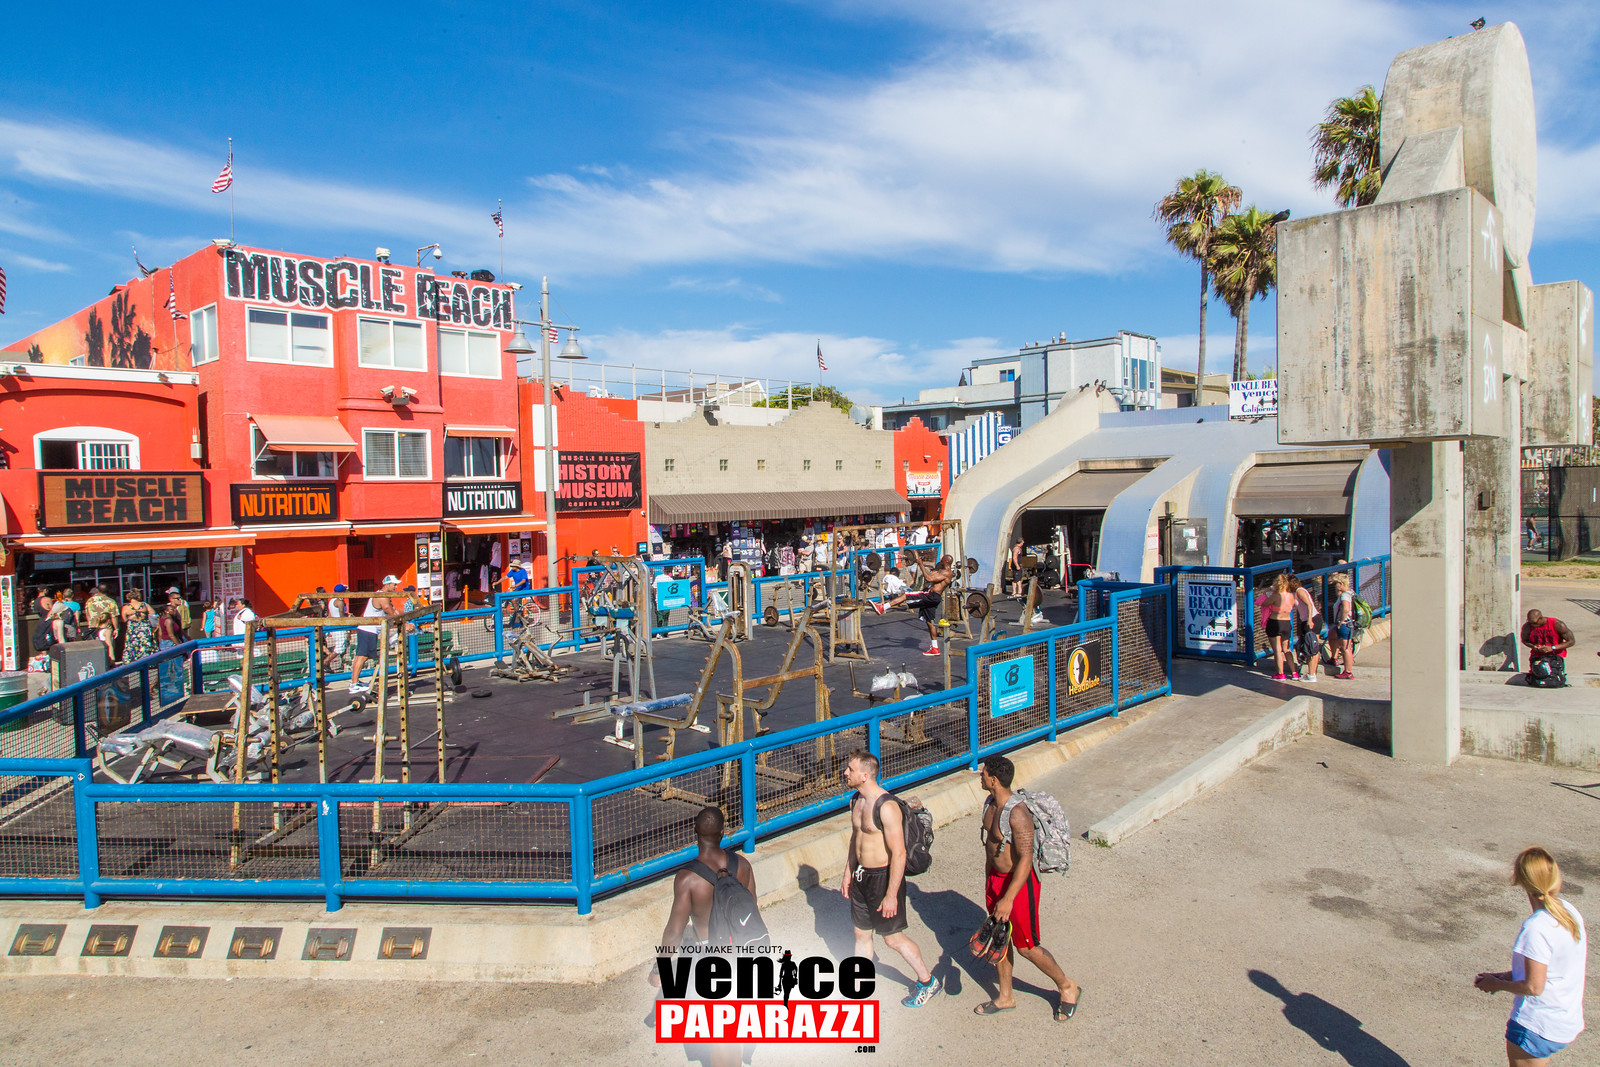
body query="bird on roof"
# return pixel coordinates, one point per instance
(1479, 24)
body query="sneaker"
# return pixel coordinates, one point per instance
(1346, 676)
(933, 650)
(360, 690)
(877, 606)
(1308, 678)
(923, 992)
(1279, 677)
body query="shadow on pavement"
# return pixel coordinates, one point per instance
(1329, 1026)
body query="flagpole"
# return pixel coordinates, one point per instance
(500, 209)
(230, 189)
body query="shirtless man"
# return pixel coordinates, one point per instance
(691, 900)
(930, 601)
(874, 875)
(1011, 892)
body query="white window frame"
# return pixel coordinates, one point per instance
(396, 476)
(390, 324)
(82, 435)
(501, 455)
(467, 336)
(197, 350)
(257, 452)
(252, 356)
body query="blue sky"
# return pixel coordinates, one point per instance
(718, 186)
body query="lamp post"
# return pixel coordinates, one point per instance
(519, 347)
(438, 253)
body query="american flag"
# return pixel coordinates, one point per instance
(820, 361)
(551, 333)
(499, 223)
(225, 178)
(2, 292)
(172, 300)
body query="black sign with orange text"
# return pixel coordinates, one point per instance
(284, 502)
(121, 500)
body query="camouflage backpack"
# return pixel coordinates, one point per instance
(1052, 833)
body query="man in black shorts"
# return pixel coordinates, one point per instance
(875, 874)
(930, 602)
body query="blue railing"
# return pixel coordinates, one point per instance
(1209, 623)
(76, 837)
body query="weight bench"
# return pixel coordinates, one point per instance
(675, 713)
(173, 745)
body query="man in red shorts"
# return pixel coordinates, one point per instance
(1011, 891)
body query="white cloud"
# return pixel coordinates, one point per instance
(34, 263)
(737, 287)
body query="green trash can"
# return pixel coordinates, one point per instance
(13, 691)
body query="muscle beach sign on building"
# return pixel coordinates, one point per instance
(337, 284)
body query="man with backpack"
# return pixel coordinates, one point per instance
(717, 892)
(875, 872)
(1018, 841)
(1547, 640)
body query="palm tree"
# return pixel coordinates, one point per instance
(1191, 212)
(1345, 148)
(1244, 265)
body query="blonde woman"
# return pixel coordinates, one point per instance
(1277, 618)
(1342, 630)
(1547, 967)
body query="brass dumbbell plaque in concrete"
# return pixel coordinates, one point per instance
(37, 939)
(181, 942)
(109, 940)
(255, 942)
(329, 943)
(405, 942)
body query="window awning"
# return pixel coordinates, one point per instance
(304, 433)
(495, 524)
(1086, 489)
(133, 542)
(1292, 490)
(480, 431)
(373, 529)
(318, 529)
(677, 508)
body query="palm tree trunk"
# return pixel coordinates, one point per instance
(1241, 363)
(1200, 364)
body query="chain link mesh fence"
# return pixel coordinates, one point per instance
(213, 839)
(38, 827)
(456, 841)
(654, 820)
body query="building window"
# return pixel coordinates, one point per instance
(469, 353)
(288, 337)
(877, 464)
(203, 335)
(761, 464)
(670, 464)
(394, 344)
(395, 454)
(1008, 376)
(86, 448)
(838, 464)
(472, 457)
(270, 464)
(805, 464)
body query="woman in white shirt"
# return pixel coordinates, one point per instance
(1547, 967)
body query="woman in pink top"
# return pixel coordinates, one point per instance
(1277, 618)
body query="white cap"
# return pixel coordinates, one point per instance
(390, 579)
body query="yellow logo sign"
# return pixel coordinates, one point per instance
(1083, 670)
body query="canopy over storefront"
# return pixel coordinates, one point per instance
(675, 509)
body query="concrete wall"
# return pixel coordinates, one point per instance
(817, 432)
(1556, 406)
(1369, 519)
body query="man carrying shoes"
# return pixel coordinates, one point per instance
(1011, 894)
(874, 875)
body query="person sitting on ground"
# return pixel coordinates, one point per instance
(1548, 640)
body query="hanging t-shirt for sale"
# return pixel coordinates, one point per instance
(1557, 1013)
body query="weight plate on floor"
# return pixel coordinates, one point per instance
(483, 693)
(770, 616)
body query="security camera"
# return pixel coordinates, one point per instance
(438, 253)
(222, 242)
(515, 285)
(383, 255)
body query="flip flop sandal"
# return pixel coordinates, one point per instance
(999, 942)
(1065, 1011)
(980, 940)
(989, 1007)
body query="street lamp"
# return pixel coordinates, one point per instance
(438, 253)
(519, 346)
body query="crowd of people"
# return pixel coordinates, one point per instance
(130, 631)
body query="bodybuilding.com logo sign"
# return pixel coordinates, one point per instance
(754, 995)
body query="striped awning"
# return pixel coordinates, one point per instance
(678, 508)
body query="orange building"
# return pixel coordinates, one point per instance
(919, 453)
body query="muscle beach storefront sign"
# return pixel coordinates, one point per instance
(148, 500)
(289, 281)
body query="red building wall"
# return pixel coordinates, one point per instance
(920, 451)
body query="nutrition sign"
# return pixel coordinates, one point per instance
(284, 502)
(146, 500)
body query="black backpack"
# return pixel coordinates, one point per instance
(735, 919)
(44, 635)
(918, 823)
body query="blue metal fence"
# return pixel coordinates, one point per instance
(64, 834)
